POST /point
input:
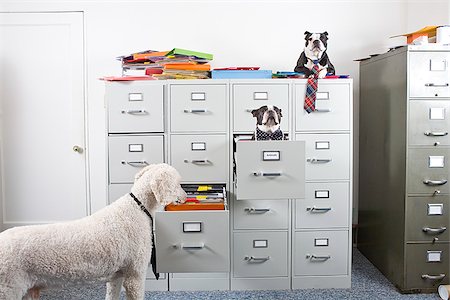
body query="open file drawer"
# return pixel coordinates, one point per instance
(192, 241)
(270, 170)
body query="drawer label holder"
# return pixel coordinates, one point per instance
(271, 155)
(192, 227)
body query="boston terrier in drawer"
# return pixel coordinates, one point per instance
(268, 119)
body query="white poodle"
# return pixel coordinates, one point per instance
(113, 244)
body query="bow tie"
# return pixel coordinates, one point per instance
(261, 135)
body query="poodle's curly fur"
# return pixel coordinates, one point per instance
(112, 245)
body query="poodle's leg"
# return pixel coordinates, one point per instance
(113, 288)
(135, 286)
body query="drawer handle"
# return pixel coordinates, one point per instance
(194, 111)
(434, 230)
(318, 160)
(433, 277)
(318, 209)
(435, 182)
(193, 247)
(436, 85)
(256, 259)
(198, 161)
(317, 257)
(267, 174)
(429, 133)
(252, 210)
(320, 110)
(135, 163)
(135, 112)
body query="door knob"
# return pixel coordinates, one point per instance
(77, 149)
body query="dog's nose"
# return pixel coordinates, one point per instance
(316, 43)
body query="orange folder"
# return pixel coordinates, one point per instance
(195, 206)
(188, 66)
(149, 54)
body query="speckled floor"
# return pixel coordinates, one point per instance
(367, 283)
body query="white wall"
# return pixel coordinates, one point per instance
(268, 34)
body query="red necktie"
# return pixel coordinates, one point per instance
(311, 89)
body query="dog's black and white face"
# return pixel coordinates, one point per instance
(268, 118)
(315, 45)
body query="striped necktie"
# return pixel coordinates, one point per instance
(311, 89)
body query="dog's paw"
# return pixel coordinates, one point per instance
(322, 73)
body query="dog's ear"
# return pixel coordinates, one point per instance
(307, 33)
(164, 184)
(255, 112)
(325, 33)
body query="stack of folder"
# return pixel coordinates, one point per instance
(201, 197)
(175, 64)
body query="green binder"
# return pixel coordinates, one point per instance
(178, 51)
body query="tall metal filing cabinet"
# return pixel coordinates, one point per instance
(198, 148)
(404, 165)
(135, 127)
(322, 220)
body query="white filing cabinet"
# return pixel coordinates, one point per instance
(289, 216)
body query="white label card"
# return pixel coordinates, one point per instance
(436, 161)
(197, 96)
(322, 194)
(434, 256)
(435, 209)
(437, 64)
(260, 96)
(321, 242)
(271, 155)
(135, 148)
(437, 113)
(192, 226)
(135, 97)
(322, 96)
(260, 243)
(322, 145)
(198, 146)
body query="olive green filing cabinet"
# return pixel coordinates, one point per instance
(404, 165)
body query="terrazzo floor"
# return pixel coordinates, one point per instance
(367, 283)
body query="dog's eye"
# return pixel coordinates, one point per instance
(310, 39)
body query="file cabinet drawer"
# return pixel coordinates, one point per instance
(268, 170)
(261, 214)
(427, 219)
(321, 253)
(327, 156)
(429, 74)
(427, 265)
(326, 205)
(260, 254)
(429, 122)
(135, 107)
(428, 171)
(200, 158)
(192, 241)
(128, 154)
(332, 108)
(117, 190)
(198, 108)
(247, 97)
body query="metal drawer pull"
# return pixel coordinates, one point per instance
(435, 182)
(134, 111)
(428, 133)
(266, 174)
(322, 110)
(249, 110)
(252, 210)
(136, 163)
(318, 209)
(256, 259)
(318, 160)
(193, 247)
(315, 257)
(434, 230)
(198, 161)
(433, 277)
(437, 85)
(195, 111)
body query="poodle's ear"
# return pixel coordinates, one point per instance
(164, 186)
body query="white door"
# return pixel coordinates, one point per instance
(43, 161)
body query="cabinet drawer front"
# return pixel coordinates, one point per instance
(429, 74)
(129, 154)
(332, 108)
(117, 190)
(135, 107)
(429, 122)
(270, 170)
(200, 158)
(425, 264)
(198, 108)
(428, 171)
(325, 205)
(190, 242)
(260, 254)
(321, 253)
(427, 218)
(261, 214)
(247, 97)
(327, 156)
